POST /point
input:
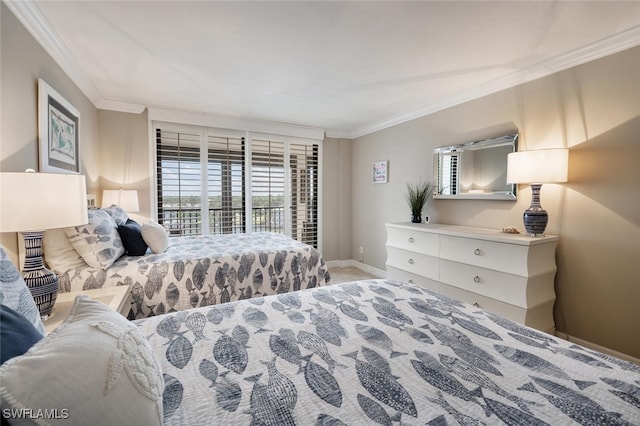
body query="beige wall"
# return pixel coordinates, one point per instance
(336, 199)
(23, 63)
(124, 156)
(593, 109)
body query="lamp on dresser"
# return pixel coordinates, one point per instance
(31, 203)
(535, 168)
(127, 199)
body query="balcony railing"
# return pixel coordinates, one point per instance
(188, 220)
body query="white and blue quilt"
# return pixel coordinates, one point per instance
(379, 352)
(204, 270)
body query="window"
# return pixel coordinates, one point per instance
(179, 181)
(267, 186)
(211, 181)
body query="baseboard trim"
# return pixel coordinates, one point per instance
(596, 347)
(380, 273)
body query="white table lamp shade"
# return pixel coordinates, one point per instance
(40, 201)
(535, 168)
(539, 166)
(127, 199)
(31, 203)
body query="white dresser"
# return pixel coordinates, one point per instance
(509, 274)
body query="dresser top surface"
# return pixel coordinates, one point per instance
(479, 233)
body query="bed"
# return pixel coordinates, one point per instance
(183, 272)
(379, 352)
(364, 352)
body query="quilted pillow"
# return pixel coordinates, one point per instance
(131, 236)
(96, 365)
(59, 254)
(17, 334)
(15, 294)
(119, 216)
(98, 242)
(156, 236)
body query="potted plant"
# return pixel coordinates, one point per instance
(417, 196)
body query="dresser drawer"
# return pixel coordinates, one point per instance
(402, 275)
(413, 262)
(513, 289)
(539, 316)
(510, 258)
(413, 240)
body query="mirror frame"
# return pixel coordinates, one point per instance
(438, 153)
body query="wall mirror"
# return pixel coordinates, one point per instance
(474, 170)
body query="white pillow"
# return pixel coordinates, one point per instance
(59, 254)
(156, 236)
(97, 242)
(96, 368)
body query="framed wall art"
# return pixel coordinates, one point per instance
(380, 171)
(58, 132)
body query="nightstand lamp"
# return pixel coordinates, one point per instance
(31, 203)
(127, 199)
(535, 168)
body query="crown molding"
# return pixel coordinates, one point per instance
(35, 22)
(38, 26)
(605, 47)
(119, 106)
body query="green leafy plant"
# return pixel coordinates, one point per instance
(417, 196)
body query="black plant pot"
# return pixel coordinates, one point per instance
(416, 218)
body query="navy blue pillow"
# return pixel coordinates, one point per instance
(131, 236)
(17, 334)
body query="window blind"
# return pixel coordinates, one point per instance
(267, 186)
(202, 176)
(179, 176)
(303, 162)
(225, 184)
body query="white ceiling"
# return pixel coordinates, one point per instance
(348, 67)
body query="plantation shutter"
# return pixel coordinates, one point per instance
(303, 163)
(449, 166)
(225, 184)
(212, 181)
(179, 181)
(267, 186)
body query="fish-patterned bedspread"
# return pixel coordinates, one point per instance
(379, 352)
(207, 269)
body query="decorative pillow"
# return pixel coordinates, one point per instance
(96, 365)
(15, 294)
(98, 242)
(59, 254)
(156, 236)
(131, 236)
(119, 216)
(17, 334)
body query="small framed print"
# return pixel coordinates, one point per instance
(58, 132)
(380, 171)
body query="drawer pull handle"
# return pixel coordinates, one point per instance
(410, 261)
(477, 252)
(476, 305)
(410, 281)
(411, 239)
(476, 279)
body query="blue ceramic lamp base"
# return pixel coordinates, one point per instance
(535, 217)
(42, 283)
